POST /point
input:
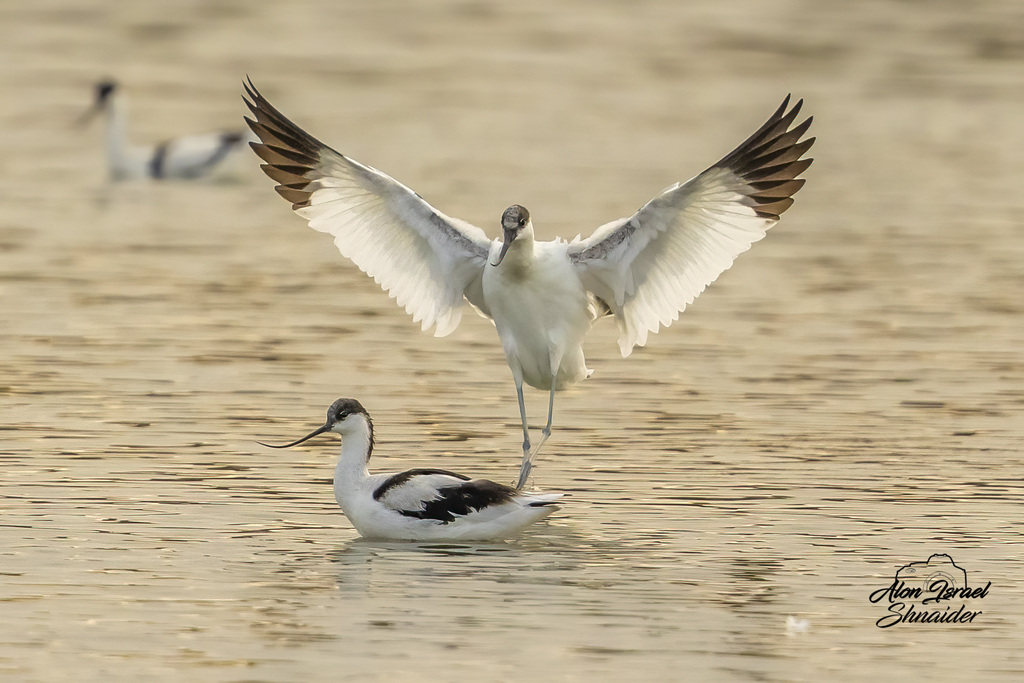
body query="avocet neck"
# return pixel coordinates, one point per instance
(520, 255)
(117, 135)
(356, 445)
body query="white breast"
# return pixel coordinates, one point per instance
(540, 311)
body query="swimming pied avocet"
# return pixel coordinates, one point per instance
(419, 504)
(191, 157)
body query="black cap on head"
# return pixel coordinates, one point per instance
(515, 217)
(344, 407)
(338, 411)
(105, 89)
(513, 221)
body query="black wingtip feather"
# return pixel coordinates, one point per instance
(291, 154)
(771, 159)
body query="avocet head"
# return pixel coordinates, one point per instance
(515, 219)
(344, 415)
(104, 89)
(104, 93)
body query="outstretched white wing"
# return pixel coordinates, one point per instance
(427, 261)
(647, 268)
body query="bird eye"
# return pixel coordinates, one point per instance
(522, 222)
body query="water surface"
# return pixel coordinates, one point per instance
(846, 400)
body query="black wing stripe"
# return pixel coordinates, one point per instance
(462, 499)
(403, 477)
(156, 164)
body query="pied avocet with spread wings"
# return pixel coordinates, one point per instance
(542, 296)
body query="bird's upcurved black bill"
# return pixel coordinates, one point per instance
(507, 237)
(501, 254)
(307, 437)
(88, 115)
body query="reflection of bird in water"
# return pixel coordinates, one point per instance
(189, 157)
(419, 504)
(542, 296)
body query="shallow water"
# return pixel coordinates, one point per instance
(844, 401)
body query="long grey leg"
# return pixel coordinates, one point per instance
(555, 359)
(524, 470)
(551, 412)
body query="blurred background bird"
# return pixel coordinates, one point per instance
(210, 156)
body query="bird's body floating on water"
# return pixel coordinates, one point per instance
(542, 296)
(192, 157)
(419, 504)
